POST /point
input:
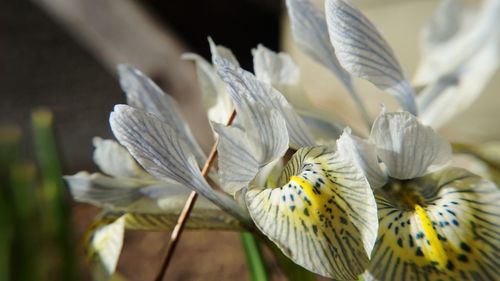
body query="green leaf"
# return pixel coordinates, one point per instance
(253, 255)
(55, 215)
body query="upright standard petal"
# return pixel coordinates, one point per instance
(160, 150)
(406, 147)
(142, 93)
(114, 160)
(364, 53)
(277, 69)
(221, 52)
(323, 216)
(216, 100)
(364, 155)
(242, 153)
(244, 85)
(458, 218)
(310, 32)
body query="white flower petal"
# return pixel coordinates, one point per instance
(277, 69)
(446, 22)
(219, 51)
(406, 147)
(310, 32)
(323, 217)
(454, 93)
(160, 150)
(142, 93)
(364, 155)
(114, 160)
(364, 53)
(451, 55)
(463, 210)
(216, 100)
(103, 243)
(243, 153)
(243, 84)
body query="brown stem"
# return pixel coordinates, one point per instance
(188, 206)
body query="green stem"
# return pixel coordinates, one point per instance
(254, 257)
(56, 214)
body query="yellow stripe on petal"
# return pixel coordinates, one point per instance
(323, 216)
(435, 251)
(453, 233)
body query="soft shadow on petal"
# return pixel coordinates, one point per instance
(242, 84)
(160, 150)
(406, 147)
(216, 100)
(364, 53)
(142, 93)
(103, 244)
(114, 160)
(464, 211)
(243, 152)
(364, 155)
(310, 33)
(323, 216)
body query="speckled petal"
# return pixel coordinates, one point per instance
(323, 216)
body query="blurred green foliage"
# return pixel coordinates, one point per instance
(36, 241)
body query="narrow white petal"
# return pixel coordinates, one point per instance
(454, 93)
(104, 241)
(242, 153)
(142, 93)
(310, 32)
(323, 216)
(114, 160)
(237, 164)
(216, 100)
(364, 155)
(446, 22)
(408, 148)
(274, 68)
(160, 150)
(219, 51)
(129, 194)
(451, 55)
(364, 53)
(244, 85)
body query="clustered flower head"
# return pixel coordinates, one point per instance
(389, 207)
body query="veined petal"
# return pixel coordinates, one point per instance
(158, 148)
(323, 217)
(244, 85)
(310, 32)
(364, 155)
(406, 147)
(142, 93)
(274, 68)
(219, 51)
(463, 211)
(243, 153)
(216, 100)
(364, 53)
(103, 244)
(454, 93)
(114, 160)
(129, 194)
(453, 54)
